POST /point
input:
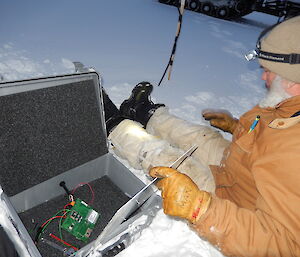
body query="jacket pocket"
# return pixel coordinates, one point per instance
(246, 141)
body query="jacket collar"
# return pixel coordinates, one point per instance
(287, 107)
(284, 112)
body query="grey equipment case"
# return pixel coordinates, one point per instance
(52, 129)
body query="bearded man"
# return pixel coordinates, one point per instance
(242, 195)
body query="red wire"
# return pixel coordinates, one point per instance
(64, 242)
(65, 207)
(50, 220)
(81, 184)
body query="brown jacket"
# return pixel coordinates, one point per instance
(256, 210)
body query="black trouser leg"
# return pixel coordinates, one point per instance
(7, 248)
(109, 107)
(112, 114)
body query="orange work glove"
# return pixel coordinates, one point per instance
(221, 120)
(181, 196)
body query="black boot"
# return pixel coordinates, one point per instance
(138, 106)
(112, 114)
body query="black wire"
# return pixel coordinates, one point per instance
(170, 62)
(37, 235)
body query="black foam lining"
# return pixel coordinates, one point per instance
(108, 199)
(46, 132)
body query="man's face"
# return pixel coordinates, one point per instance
(268, 76)
(277, 89)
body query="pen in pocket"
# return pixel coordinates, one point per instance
(254, 123)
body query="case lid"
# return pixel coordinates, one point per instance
(48, 126)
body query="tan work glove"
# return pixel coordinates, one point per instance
(181, 196)
(221, 120)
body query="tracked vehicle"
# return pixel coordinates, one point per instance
(232, 9)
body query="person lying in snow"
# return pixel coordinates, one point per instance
(242, 196)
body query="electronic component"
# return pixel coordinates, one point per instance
(67, 251)
(80, 220)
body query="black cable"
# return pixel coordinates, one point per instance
(171, 59)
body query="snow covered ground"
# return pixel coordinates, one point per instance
(129, 41)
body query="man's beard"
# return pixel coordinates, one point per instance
(275, 95)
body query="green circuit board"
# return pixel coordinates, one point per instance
(80, 220)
